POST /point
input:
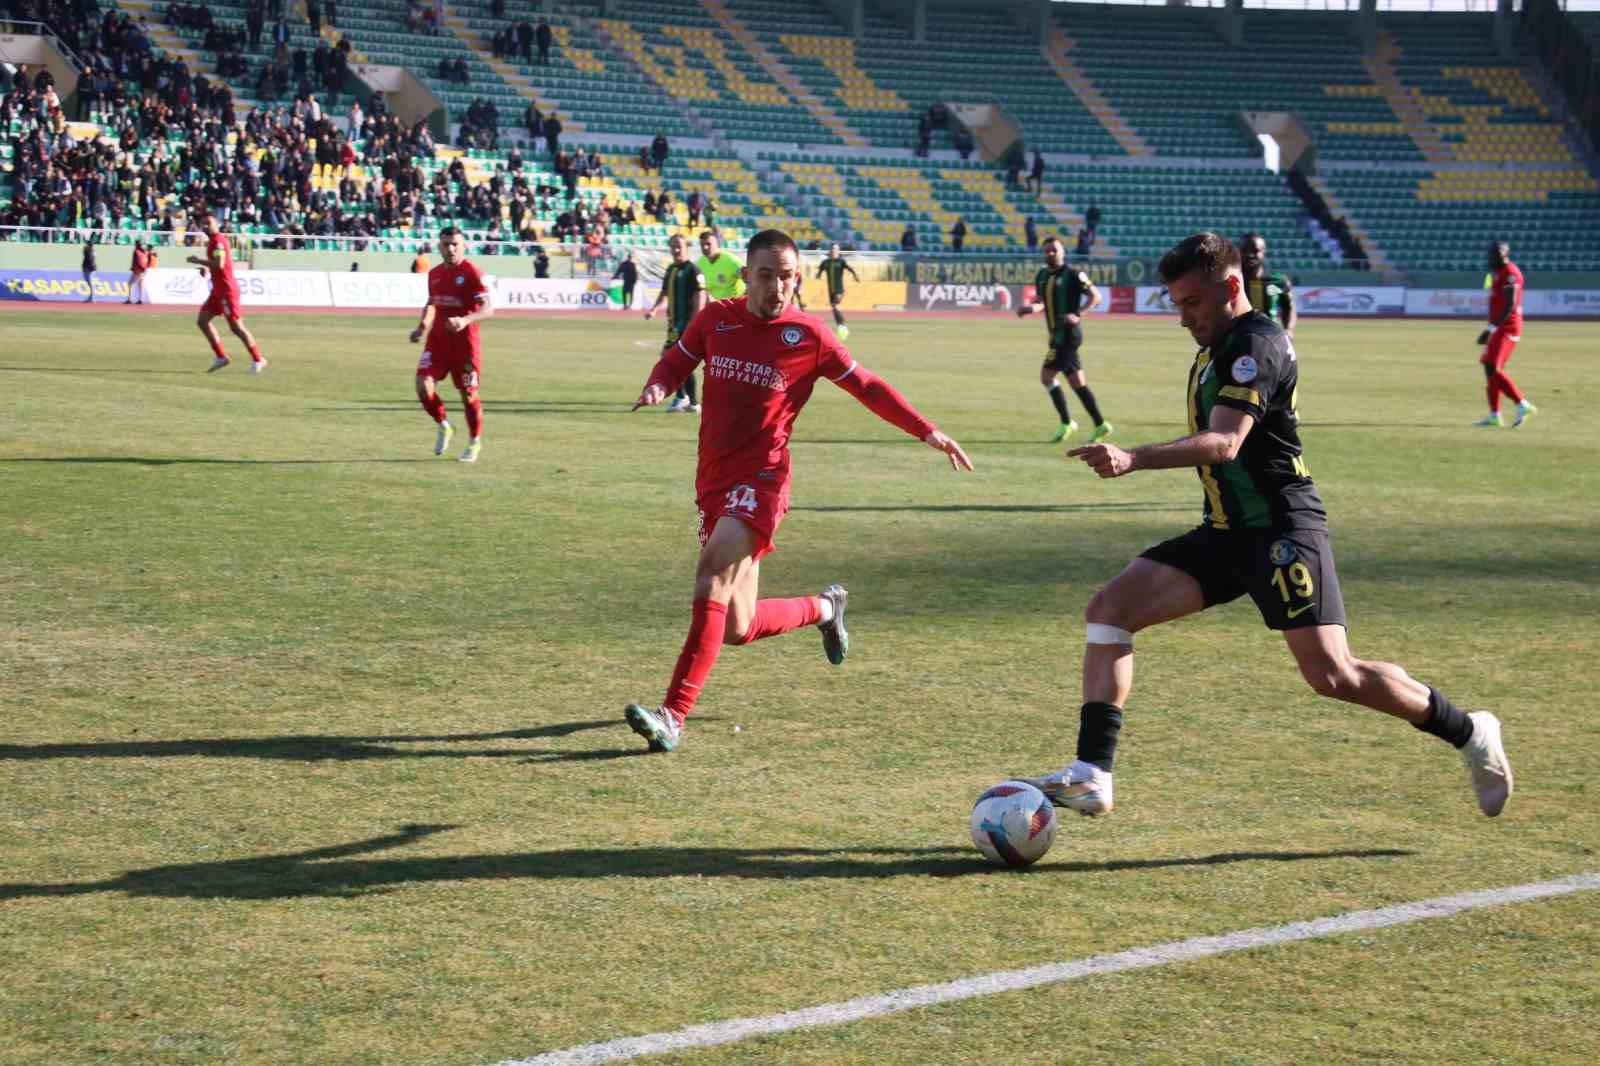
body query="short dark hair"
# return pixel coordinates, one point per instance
(710, 233)
(448, 232)
(1211, 252)
(1053, 239)
(775, 239)
(1500, 249)
(1248, 237)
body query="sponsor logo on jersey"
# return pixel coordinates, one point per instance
(724, 327)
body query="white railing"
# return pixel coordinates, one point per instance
(21, 27)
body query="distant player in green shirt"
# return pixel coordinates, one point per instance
(1268, 293)
(834, 269)
(1064, 295)
(721, 270)
(683, 290)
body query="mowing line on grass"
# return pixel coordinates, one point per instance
(736, 1029)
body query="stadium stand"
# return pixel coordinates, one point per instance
(1428, 144)
(1441, 220)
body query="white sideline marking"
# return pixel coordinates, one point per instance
(727, 1032)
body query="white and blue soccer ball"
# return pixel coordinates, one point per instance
(1013, 824)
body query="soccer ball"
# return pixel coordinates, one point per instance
(844, 333)
(1013, 824)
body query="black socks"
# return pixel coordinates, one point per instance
(1098, 726)
(1445, 720)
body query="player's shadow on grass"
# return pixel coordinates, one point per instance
(334, 871)
(315, 748)
(1001, 508)
(139, 460)
(502, 407)
(94, 370)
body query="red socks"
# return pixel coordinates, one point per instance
(774, 617)
(475, 416)
(216, 346)
(1505, 385)
(699, 655)
(434, 406)
(255, 353)
(704, 642)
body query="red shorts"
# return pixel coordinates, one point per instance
(461, 366)
(1499, 349)
(760, 507)
(224, 301)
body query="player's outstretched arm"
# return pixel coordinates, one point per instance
(885, 401)
(1218, 443)
(670, 371)
(1024, 310)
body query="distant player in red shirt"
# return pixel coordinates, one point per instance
(224, 298)
(457, 288)
(1500, 339)
(762, 357)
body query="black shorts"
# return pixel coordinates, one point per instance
(1063, 356)
(1288, 572)
(674, 331)
(835, 297)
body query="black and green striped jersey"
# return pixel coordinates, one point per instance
(834, 271)
(683, 283)
(1063, 291)
(1266, 486)
(1271, 294)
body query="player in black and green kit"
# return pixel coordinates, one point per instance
(834, 269)
(1264, 534)
(1065, 295)
(1271, 294)
(683, 290)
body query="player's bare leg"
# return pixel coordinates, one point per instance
(209, 332)
(1144, 594)
(726, 571)
(258, 362)
(727, 610)
(1080, 385)
(1325, 661)
(428, 396)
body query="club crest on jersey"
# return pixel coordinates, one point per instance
(1244, 369)
(1282, 552)
(792, 336)
(461, 279)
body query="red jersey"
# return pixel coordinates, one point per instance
(759, 374)
(220, 261)
(1507, 275)
(454, 291)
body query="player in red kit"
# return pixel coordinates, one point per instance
(224, 299)
(1500, 339)
(762, 357)
(457, 288)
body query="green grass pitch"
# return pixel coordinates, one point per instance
(312, 748)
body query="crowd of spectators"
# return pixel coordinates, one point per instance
(173, 145)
